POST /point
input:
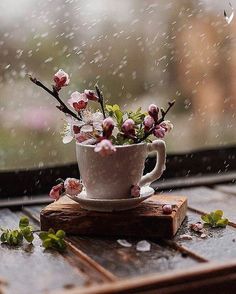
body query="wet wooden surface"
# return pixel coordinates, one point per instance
(93, 262)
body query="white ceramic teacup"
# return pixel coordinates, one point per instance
(112, 176)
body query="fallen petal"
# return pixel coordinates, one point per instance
(185, 237)
(143, 246)
(124, 243)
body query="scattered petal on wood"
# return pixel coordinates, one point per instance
(203, 236)
(143, 246)
(229, 18)
(185, 237)
(124, 243)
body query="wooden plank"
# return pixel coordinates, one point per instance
(18, 202)
(84, 262)
(207, 278)
(194, 181)
(220, 245)
(207, 200)
(42, 270)
(147, 220)
(128, 262)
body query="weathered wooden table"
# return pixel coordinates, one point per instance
(101, 265)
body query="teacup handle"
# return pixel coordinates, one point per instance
(160, 147)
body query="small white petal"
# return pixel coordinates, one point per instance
(67, 139)
(87, 129)
(124, 243)
(143, 246)
(185, 237)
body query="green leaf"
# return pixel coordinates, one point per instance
(222, 222)
(205, 218)
(60, 234)
(43, 235)
(24, 222)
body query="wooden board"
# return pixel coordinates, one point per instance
(147, 220)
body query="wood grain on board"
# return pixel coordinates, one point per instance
(147, 220)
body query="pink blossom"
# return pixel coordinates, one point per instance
(105, 147)
(167, 125)
(73, 186)
(78, 101)
(148, 122)
(90, 95)
(81, 137)
(153, 111)
(108, 126)
(128, 127)
(61, 79)
(159, 132)
(56, 191)
(135, 191)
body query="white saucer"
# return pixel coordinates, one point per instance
(106, 205)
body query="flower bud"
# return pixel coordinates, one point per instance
(56, 191)
(167, 209)
(108, 126)
(61, 79)
(159, 132)
(135, 191)
(128, 127)
(153, 111)
(90, 95)
(167, 125)
(148, 122)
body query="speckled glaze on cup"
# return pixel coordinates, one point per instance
(112, 176)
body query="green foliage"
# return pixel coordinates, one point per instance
(137, 116)
(52, 240)
(214, 219)
(115, 112)
(15, 237)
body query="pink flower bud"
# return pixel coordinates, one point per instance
(61, 79)
(78, 101)
(167, 209)
(135, 191)
(159, 132)
(81, 137)
(153, 111)
(148, 122)
(56, 191)
(73, 186)
(105, 148)
(108, 126)
(90, 95)
(128, 127)
(167, 125)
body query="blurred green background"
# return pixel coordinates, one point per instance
(139, 52)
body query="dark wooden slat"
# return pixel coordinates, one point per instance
(194, 181)
(128, 262)
(82, 259)
(220, 245)
(18, 202)
(208, 278)
(29, 267)
(228, 189)
(207, 200)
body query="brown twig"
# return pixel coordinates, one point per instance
(101, 100)
(62, 107)
(163, 114)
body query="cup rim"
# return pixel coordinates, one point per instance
(117, 146)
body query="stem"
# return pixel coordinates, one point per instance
(101, 100)
(163, 114)
(62, 107)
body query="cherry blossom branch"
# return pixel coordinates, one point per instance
(163, 114)
(101, 100)
(62, 107)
